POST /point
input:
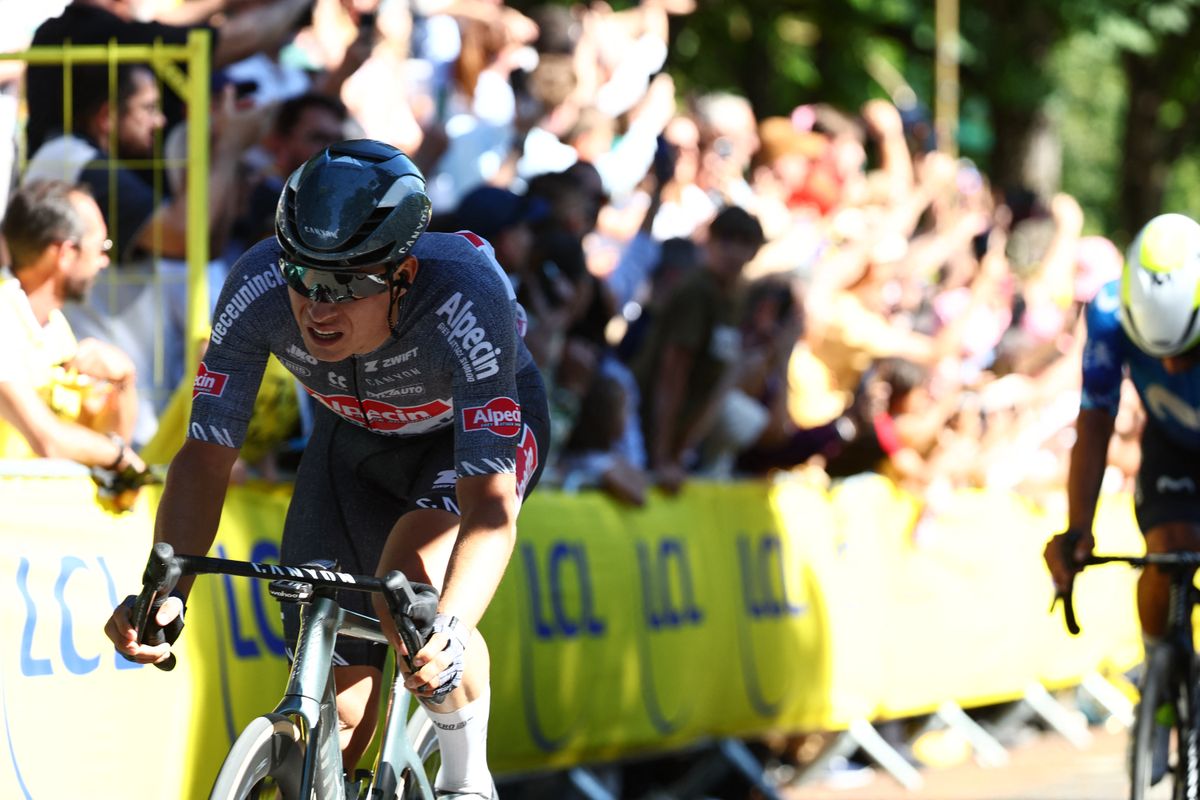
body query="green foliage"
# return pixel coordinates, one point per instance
(1090, 100)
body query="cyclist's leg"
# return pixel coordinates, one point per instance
(1167, 504)
(358, 688)
(328, 502)
(420, 546)
(1154, 584)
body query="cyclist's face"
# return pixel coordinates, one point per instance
(1183, 362)
(335, 331)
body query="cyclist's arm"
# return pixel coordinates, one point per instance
(1089, 457)
(487, 533)
(190, 509)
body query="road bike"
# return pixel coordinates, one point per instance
(292, 752)
(1169, 690)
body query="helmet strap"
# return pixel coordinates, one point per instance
(398, 285)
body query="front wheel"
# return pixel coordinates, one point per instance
(264, 763)
(1187, 747)
(423, 736)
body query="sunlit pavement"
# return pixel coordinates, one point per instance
(1046, 768)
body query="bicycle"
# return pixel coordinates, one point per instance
(1169, 681)
(292, 752)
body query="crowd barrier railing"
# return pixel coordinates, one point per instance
(731, 610)
(153, 291)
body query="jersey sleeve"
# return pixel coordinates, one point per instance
(228, 378)
(476, 317)
(1103, 352)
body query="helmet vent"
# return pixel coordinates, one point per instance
(369, 226)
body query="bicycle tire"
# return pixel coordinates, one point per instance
(1187, 738)
(270, 747)
(1156, 690)
(423, 736)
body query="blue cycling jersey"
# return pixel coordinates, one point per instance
(1171, 401)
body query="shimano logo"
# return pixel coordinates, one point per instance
(322, 232)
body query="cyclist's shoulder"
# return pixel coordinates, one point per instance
(461, 262)
(1103, 313)
(260, 261)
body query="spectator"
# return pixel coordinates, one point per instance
(59, 398)
(99, 21)
(505, 220)
(689, 357)
(143, 223)
(303, 126)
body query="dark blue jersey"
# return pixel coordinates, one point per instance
(1171, 401)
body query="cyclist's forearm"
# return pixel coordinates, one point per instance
(1093, 430)
(486, 537)
(190, 510)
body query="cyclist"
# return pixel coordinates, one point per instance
(430, 421)
(1147, 325)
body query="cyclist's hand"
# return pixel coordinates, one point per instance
(1063, 562)
(120, 631)
(439, 665)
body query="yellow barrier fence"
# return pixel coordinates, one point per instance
(730, 610)
(185, 70)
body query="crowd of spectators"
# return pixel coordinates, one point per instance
(711, 291)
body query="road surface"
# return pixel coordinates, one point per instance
(1045, 768)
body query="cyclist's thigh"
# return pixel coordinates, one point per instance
(334, 514)
(1167, 491)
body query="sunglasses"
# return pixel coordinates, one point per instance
(323, 286)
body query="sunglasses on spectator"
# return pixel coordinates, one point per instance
(323, 286)
(104, 247)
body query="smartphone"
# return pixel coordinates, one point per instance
(243, 89)
(665, 156)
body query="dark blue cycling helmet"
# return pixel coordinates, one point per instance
(355, 204)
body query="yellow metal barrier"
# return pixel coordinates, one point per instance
(185, 70)
(730, 610)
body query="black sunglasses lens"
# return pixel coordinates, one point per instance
(330, 287)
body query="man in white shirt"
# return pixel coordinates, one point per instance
(59, 398)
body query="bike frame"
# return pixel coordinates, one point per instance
(309, 698)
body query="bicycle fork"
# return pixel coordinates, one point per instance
(311, 700)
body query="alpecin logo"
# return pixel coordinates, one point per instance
(501, 416)
(208, 382)
(380, 416)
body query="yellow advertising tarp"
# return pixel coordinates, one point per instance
(729, 610)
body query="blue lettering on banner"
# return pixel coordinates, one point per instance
(662, 613)
(658, 599)
(243, 640)
(766, 597)
(764, 579)
(560, 623)
(74, 662)
(263, 552)
(243, 647)
(30, 666)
